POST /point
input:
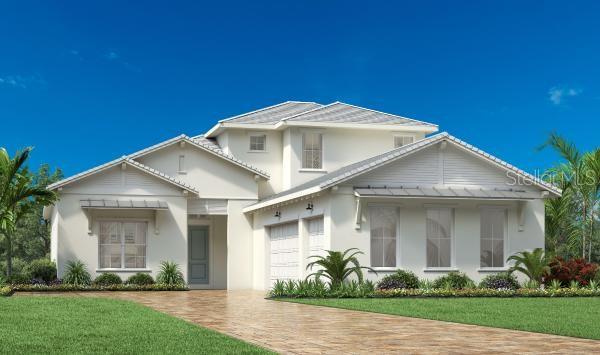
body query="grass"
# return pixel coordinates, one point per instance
(81, 325)
(577, 316)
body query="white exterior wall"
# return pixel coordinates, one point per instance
(239, 246)
(339, 208)
(212, 176)
(341, 147)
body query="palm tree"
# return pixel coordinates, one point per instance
(18, 194)
(576, 214)
(337, 266)
(532, 264)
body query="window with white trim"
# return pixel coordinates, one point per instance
(439, 237)
(258, 143)
(122, 245)
(493, 234)
(400, 141)
(384, 223)
(312, 150)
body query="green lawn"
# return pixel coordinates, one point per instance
(578, 317)
(46, 324)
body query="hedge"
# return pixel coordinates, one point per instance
(79, 288)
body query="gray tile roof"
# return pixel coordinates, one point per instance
(339, 112)
(273, 114)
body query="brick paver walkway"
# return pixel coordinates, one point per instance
(296, 328)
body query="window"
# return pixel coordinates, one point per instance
(493, 231)
(312, 151)
(316, 236)
(399, 141)
(181, 163)
(384, 221)
(439, 237)
(258, 143)
(122, 245)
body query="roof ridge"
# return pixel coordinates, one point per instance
(311, 110)
(265, 108)
(158, 173)
(387, 113)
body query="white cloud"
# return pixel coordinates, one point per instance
(18, 81)
(112, 55)
(558, 95)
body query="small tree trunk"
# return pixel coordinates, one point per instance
(8, 256)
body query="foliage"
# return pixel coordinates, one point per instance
(531, 285)
(532, 264)
(577, 270)
(337, 266)
(500, 281)
(399, 279)
(43, 269)
(140, 278)
(19, 279)
(5, 291)
(170, 274)
(19, 266)
(93, 287)
(487, 292)
(315, 288)
(425, 284)
(107, 279)
(19, 195)
(572, 220)
(453, 280)
(76, 274)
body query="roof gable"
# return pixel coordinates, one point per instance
(128, 162)
(360, 168)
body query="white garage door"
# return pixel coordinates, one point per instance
(284, 251)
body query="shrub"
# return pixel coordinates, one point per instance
(19, 266)
(170, 274)
(573, 270)
(140, 279)
(533, 264)
(5, 291)
(399, 279)
(107, 279)
(319, 289)
(76, 274)
(42, 269)
(500, 281)
(19, 279)
(337, 266)
(453, 280)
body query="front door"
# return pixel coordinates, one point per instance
(198, 255)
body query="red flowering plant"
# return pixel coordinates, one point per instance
(572, 270)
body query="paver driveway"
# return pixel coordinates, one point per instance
(296, 328)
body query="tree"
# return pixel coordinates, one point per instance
(18, 196)
(32, 235)
(574, 216)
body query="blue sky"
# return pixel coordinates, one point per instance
(86, 83)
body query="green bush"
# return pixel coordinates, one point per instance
(140, 279)
(170, 274)
(453, 280)
(486, 292)
(107, 279)
(19, 279)
(42, 269)
(76, 274)
(399, 279)
(19, 266)
(77, 288)
(500, 281)
(319, 289)
(5, 291)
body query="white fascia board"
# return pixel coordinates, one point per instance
(286, 198)
(380, 127)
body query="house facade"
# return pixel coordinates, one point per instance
(249, 201)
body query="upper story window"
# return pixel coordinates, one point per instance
(493, 233)
(312, 150)
(399, 141)
(439, 227)
(122, 245)
(258, 143)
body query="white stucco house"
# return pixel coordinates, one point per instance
(250, 200)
